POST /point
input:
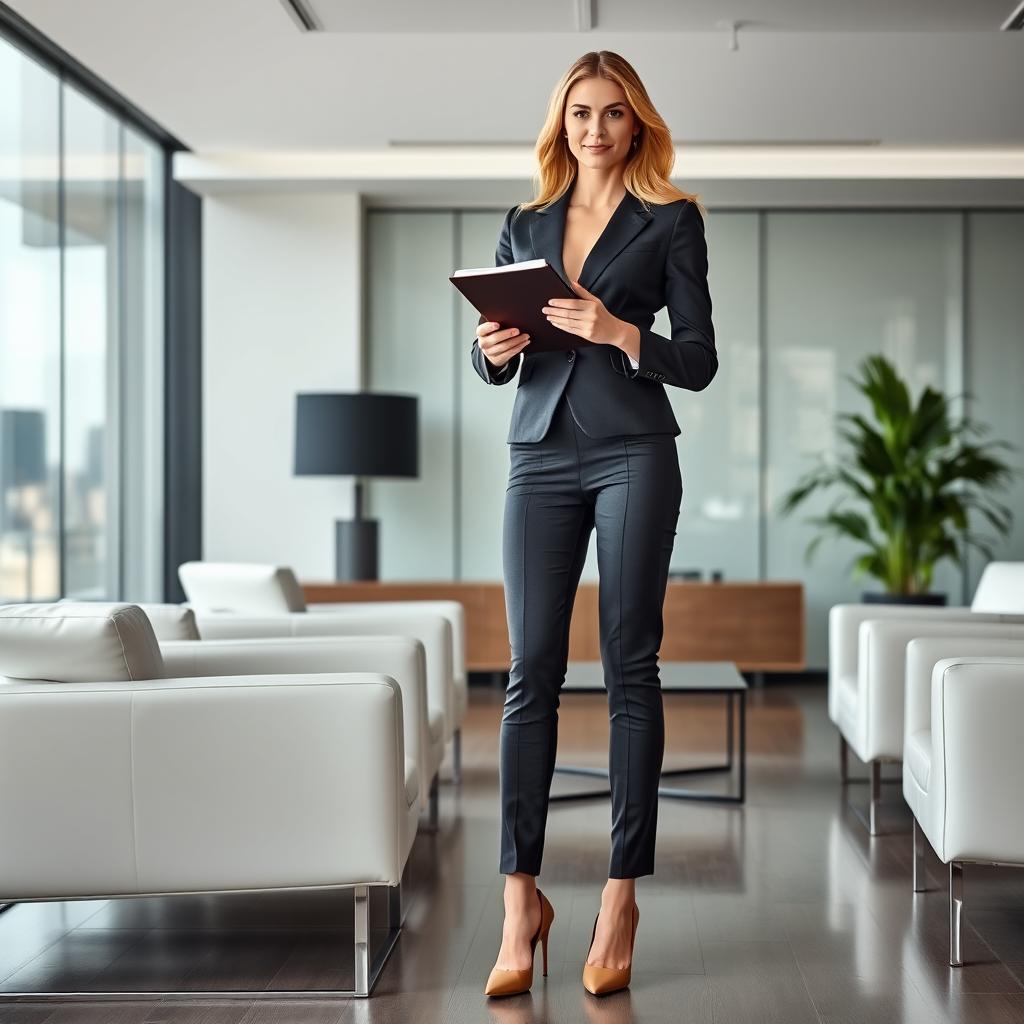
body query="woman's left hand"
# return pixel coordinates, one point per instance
(586, 317)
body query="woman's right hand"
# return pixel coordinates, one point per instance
(499, 346)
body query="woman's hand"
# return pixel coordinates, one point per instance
(588, 318)
(499, 346)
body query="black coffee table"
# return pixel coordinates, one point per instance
(714, 677)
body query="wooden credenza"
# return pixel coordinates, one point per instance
(759, 626)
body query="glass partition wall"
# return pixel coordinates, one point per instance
(81, 344)
(800, 296)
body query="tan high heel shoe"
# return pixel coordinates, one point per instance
(600, 980)
(506, 981)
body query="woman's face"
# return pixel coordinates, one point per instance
(597, 114)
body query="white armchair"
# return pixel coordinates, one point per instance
(964, 760)
(117, 780)
(258, 590)
(867, 651)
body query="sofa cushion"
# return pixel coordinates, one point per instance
(244, 588)
(171, 621)
(78, 642)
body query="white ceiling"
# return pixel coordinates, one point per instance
(238, 75)
(238, 80)
(344, 16)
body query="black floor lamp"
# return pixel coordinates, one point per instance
(356, 434)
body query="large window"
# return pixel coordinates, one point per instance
(81, 344)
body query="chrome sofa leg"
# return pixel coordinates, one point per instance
(361, 941)
(457, 757)
(395, 911)
(876, 796)
(874, 780)
(956, 911)
(434, 816)
(918, 873)
(366, 969)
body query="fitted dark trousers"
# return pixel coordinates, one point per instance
(559, 489)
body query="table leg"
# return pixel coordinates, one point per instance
(677, 793)
(728, 730)
(743, 746)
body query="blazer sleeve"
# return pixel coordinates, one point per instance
(688, 359)
(483, 366)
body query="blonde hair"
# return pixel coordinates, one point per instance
(649, 165)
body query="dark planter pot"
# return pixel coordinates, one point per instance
(883, 598)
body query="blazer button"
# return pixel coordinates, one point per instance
(571, 356)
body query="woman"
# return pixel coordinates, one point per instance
(592, 444)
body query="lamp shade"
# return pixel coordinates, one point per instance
(356, 434)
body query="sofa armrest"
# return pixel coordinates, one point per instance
(882, 659)
(454, 611)
(402, 658)
(924, 652)
(977, 757)
(844, 622)
(431, 629)
(200, 785)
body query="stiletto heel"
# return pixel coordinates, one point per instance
(600, 980)
(506, 981)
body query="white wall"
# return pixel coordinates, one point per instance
(282, 313)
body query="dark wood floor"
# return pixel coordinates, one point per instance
(780, 911)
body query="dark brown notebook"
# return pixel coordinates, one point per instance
(514, 296)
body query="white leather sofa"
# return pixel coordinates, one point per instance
(263, 591)
(867, 653)
(964, 760)
(118, 779)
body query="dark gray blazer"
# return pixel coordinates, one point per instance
(644, 259)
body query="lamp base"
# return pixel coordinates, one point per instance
(355, 549)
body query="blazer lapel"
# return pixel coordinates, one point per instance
(547, 235)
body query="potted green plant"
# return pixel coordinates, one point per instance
(907, 486)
